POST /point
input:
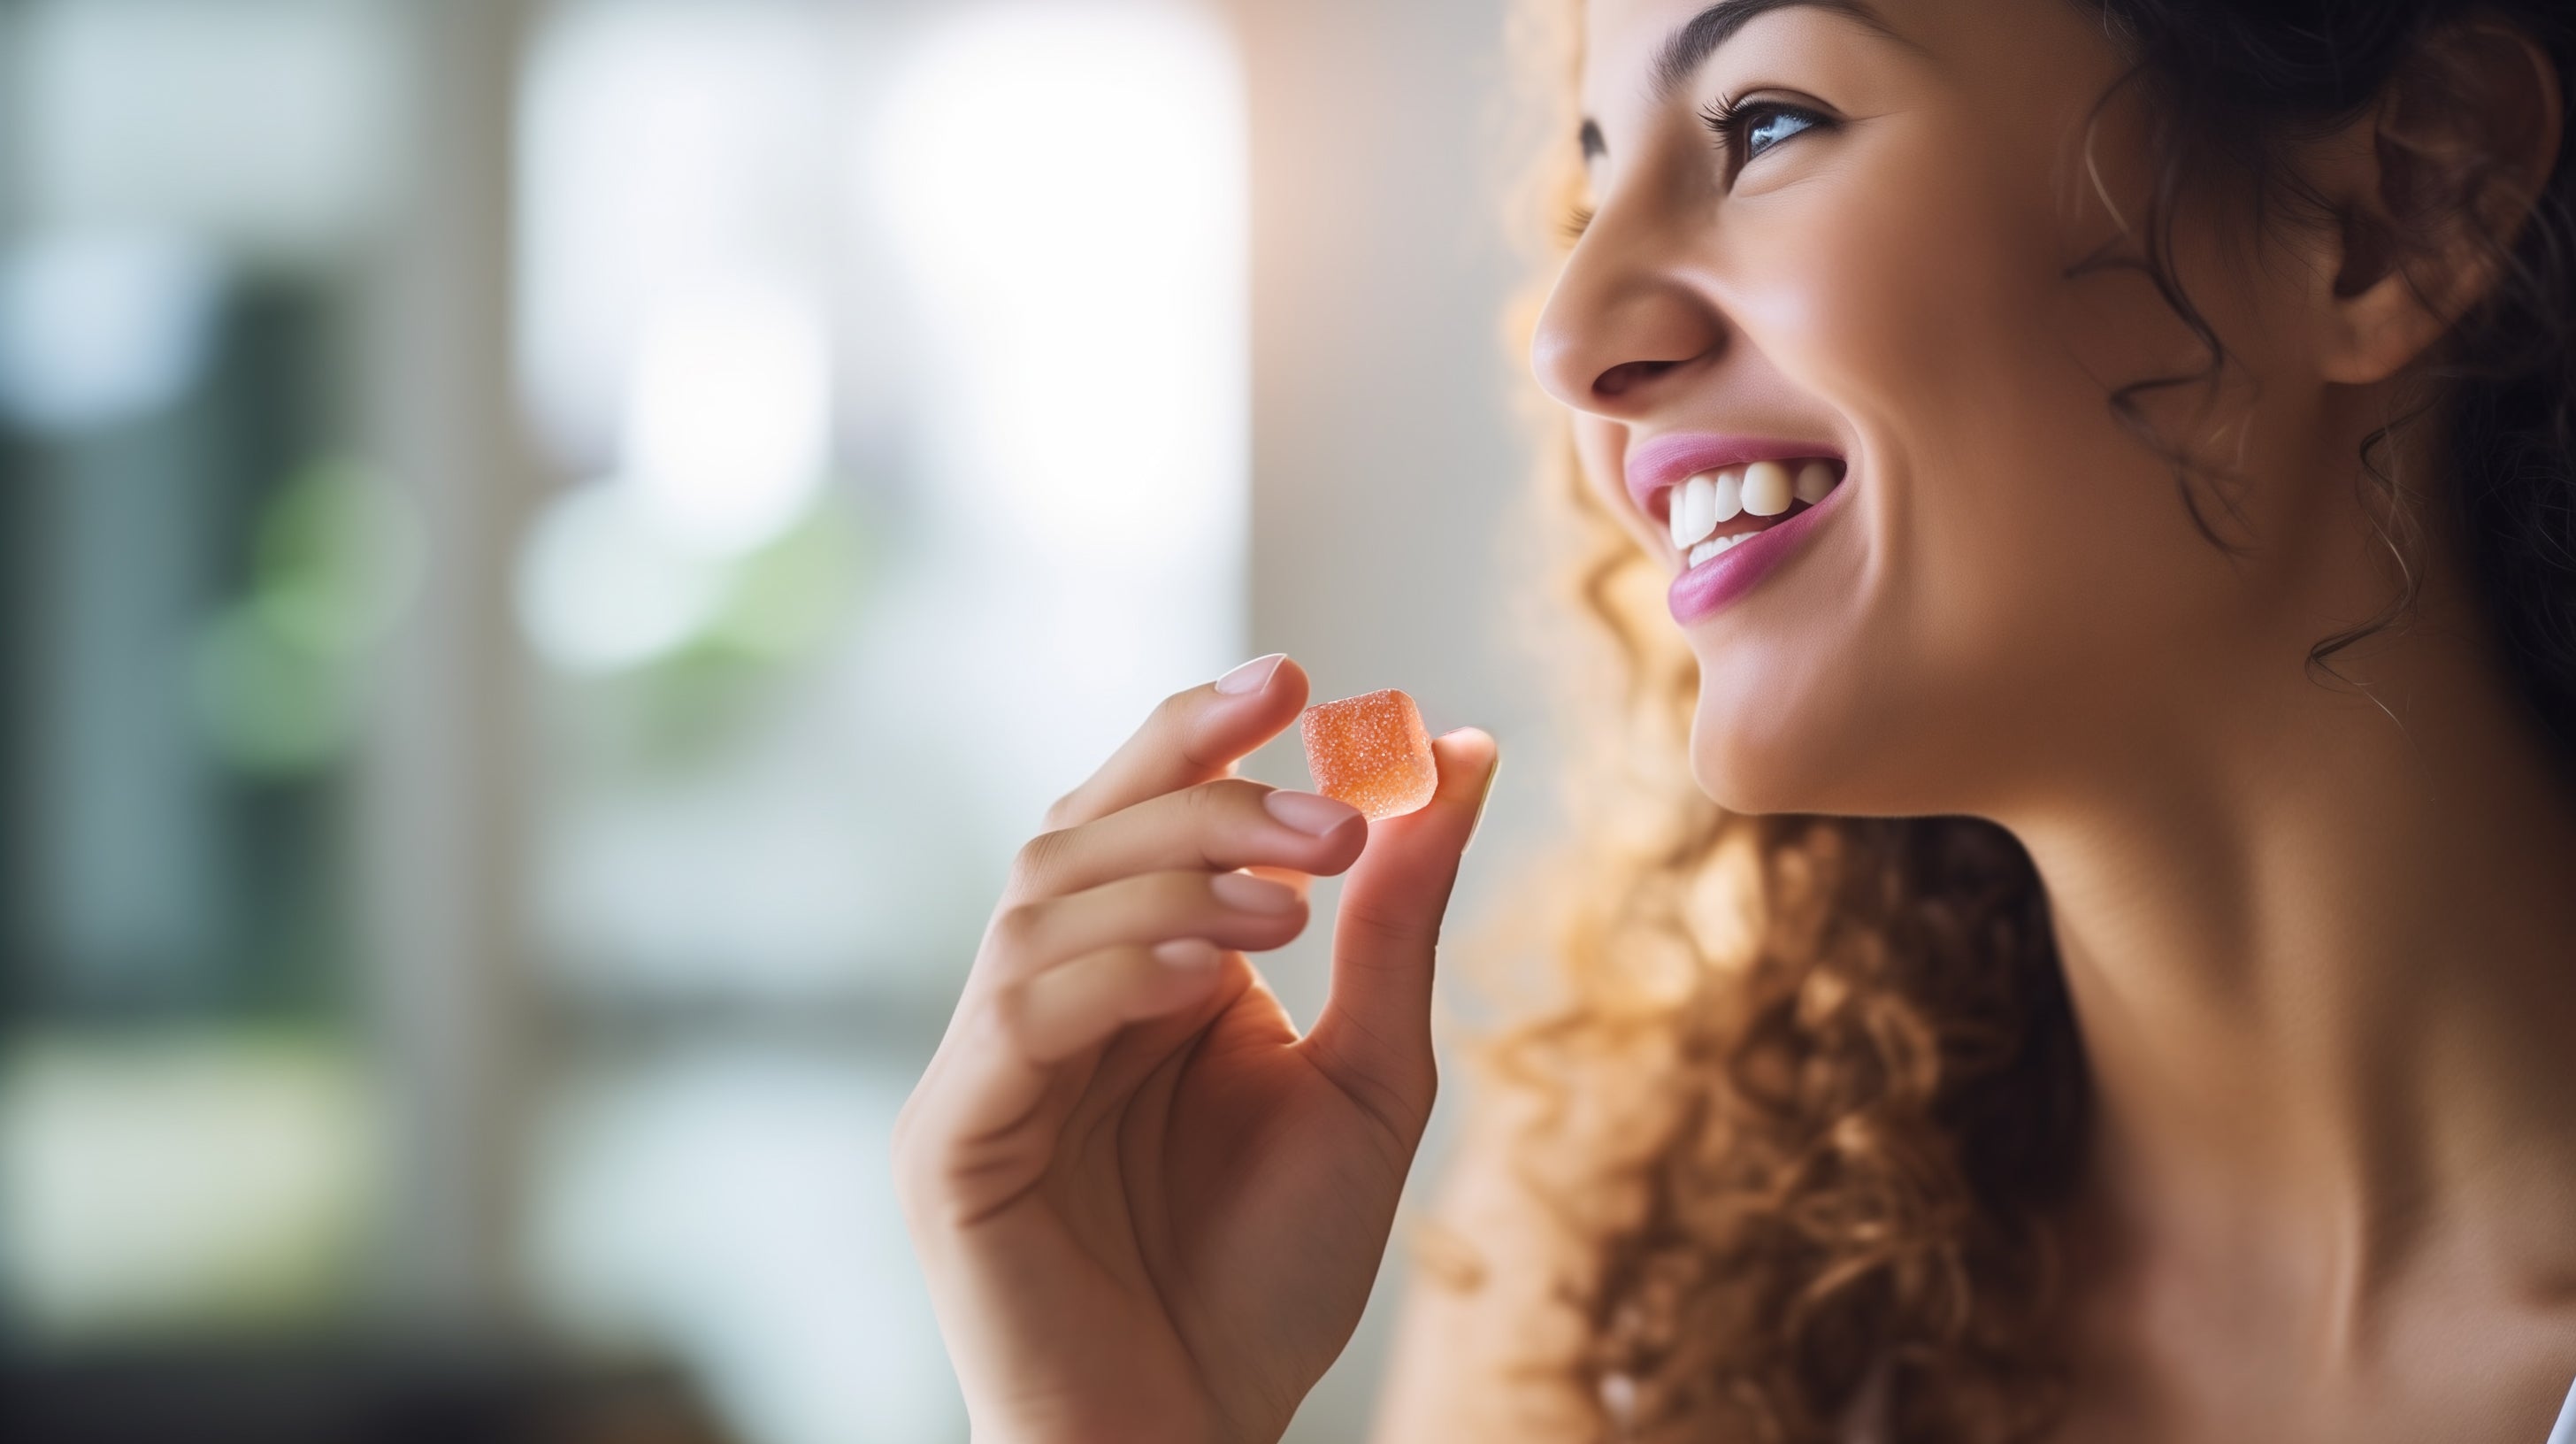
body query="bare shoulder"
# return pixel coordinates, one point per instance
(1486, 1319)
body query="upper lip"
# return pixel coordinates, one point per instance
(1656, 466)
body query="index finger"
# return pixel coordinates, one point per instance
(1195, 736)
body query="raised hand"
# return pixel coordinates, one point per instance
(1148, 1209)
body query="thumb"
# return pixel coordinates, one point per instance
(1374, 1037)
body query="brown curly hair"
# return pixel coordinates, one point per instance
(1814, 1093)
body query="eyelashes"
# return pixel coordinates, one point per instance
(1747, 129)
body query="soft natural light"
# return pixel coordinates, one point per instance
(100, 327)
(970, 281)
(674, 338)
(1068, 181)
(729, 415)
(603, 585)
(669, 153)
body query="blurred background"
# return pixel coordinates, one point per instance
(550, 550)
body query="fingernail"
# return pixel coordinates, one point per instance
(1247, 893)
(1252, 676)
(1309, 812)
(1482, 798)
(1185, 953)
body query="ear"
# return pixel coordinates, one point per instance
(2430, 188)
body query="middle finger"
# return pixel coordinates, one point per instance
(1218, 826)
(1229, 909)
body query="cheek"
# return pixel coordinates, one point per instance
(1600, 448)
(2012, 530)
(1921, 301)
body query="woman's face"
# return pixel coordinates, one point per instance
(2004, 589)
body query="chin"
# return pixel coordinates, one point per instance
(1753, 750)
(1770, 738)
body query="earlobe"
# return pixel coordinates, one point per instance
(2372, 318)
(2432, 188)
(2408, 260)
(2384, 314)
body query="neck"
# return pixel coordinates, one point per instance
(2325, 971)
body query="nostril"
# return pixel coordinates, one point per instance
(1619, 379)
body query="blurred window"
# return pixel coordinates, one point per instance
(199, 566)
(526, 653)
(899, 358)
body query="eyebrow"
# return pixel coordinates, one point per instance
(1689, 47)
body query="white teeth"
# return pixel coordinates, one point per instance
(1714, 545)
(1814, 480)
(1694, 510)
(1766, 488)
(1730, 494)
(1703, 503)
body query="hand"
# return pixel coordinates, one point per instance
(1147, 1208)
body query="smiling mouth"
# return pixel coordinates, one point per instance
(1711, 512)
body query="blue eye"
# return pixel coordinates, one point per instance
(1774, 126)
(1751, 128)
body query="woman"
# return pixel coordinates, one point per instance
(2114, 978)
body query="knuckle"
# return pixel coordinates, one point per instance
(1422, 1087)
(1039, 858)
(1011, 1023)
(1016, 929)
(1174, 709)
(905, 1156)
(1222, 816)
(1385, 929)
(1172, 727)
(1230, 796)
(1207, 806)
(1061, 812)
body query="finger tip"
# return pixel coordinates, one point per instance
(1232, 719)
(1465, 759)
(1289, 684)
(1464, 754)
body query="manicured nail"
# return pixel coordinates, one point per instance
(1246, 893)
(1311, 813)
(1185, 954)
(1482, 798)
(1252, 676)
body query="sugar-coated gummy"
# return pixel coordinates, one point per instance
(1371, 751)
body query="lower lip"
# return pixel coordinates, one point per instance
(1702, 591)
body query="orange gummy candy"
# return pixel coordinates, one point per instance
(1371, 752)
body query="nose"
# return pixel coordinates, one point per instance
(1624, 325)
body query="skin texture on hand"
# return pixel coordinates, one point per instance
(1149, 1209)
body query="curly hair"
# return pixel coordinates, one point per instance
(1814, 1091)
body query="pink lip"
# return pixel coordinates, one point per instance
(1700, 591)
(1655, 467)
